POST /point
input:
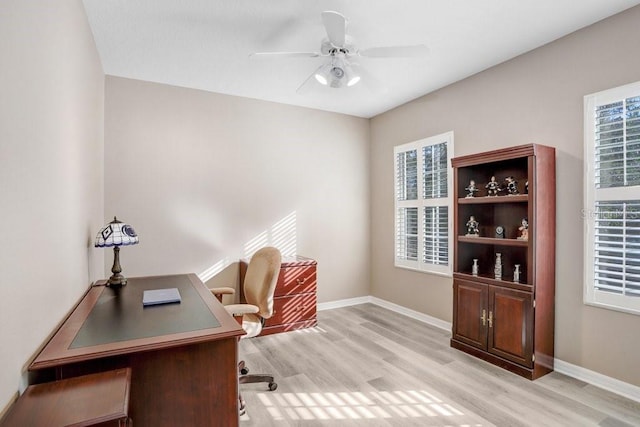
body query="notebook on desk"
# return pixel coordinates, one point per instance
(161, 296)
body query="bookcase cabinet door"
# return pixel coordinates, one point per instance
(470, 313)
(511, 325)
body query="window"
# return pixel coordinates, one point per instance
(422, 204)
(611, 197)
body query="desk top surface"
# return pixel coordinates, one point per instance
(109, 322)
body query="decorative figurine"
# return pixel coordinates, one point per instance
(524, 230)
(492, 187)
(474, 267)
(526, 187)
(471, 189)
(499, 232)
(497, 270)
(516, 273)
(512, 185)
(473, 226)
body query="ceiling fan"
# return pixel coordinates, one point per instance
(338, 47)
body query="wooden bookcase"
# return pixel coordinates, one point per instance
(507, 323)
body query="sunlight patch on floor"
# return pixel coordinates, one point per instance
(402, 404)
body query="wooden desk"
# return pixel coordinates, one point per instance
(183, 357)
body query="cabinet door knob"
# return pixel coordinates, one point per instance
(491, 319)
(484, 317)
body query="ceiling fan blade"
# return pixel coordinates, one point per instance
(336, 26)
(395, 51)
(285, 55)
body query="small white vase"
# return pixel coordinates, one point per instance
(498, 267)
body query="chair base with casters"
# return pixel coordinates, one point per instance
(245, 378)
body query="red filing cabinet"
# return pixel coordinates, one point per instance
(295, 297)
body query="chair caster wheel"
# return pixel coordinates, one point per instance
(244, 371)
(273, 386)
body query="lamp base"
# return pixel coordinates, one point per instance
(117, 281)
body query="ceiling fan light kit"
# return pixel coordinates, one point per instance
(338, 48)
(336, 74)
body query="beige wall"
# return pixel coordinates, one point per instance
(537, 97)
(206, 178)
(51, 186)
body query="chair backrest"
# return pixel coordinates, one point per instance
(261, 278)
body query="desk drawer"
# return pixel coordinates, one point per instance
(296, 280)
(292, 309)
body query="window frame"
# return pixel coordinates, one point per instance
(591, 295)
(421, 203)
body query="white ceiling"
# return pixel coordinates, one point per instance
(205, 44)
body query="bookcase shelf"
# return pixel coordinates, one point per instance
(522, 198)
(492, 241)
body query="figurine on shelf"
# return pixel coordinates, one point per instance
(497, 270)
(524, 230)
(526, 187)
(492, 187)
(512, 186)
(516, 273)
(473, 227)
(474, 267)
(471, 189)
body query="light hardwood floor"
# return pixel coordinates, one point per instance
(368, 366)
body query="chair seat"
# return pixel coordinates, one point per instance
(252, 325)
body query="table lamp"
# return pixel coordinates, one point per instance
(116, 234)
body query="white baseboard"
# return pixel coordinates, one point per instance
(433, 321)
(613, 385)
(343, 303)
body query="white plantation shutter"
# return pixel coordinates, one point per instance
(422, 204)
(617, 144)
(407, 175)
(436, 235)
(617, 248)
(407, 234)
(435, 170)
(612, 202)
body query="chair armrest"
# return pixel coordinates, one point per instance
(222, 291)
(219, 292)
(241, 309)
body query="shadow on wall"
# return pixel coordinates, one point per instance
(282, 235)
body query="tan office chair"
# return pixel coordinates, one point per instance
(259, 287)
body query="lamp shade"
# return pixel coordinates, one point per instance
(116, 233)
